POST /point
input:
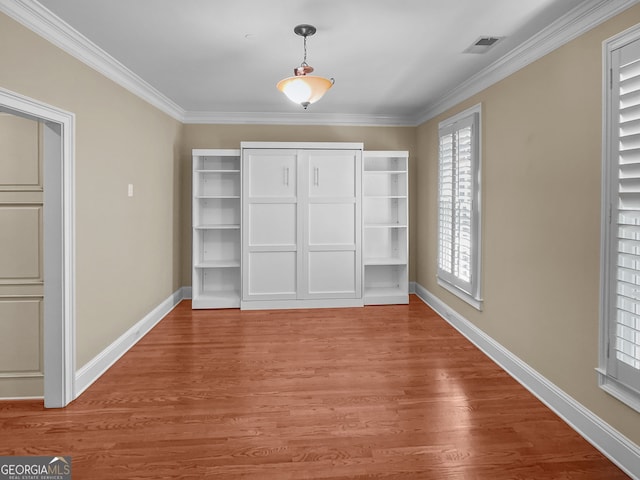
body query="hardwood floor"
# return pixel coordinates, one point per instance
(376, 392)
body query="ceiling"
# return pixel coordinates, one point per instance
(389, 58)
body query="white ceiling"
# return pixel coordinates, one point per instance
(392, 58)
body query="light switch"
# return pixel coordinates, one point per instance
(130, 190)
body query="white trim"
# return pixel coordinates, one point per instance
(186, 293)
(615, 446)
(462, 116)
(303, 145)
(461, 294)
(618, 390)
(94, 369)
(43, 22)
(412, 287)
(308, 303)
(18, 399)
(578, 21)
(59, 235)
(298, 118)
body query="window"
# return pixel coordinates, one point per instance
(619, 368)
(459, 206)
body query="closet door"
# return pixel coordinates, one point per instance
(271, 257)
(331, 203)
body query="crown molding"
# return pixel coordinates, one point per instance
(578, 21)
(301, 118)
(43, 22)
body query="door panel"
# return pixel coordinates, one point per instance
(332, 174)
(273, 224)
(21, 274)
(20, 333)
(19, 154)
(20, 253)
(332, 224)
(332, 274)
(271, 173)
(272, 275)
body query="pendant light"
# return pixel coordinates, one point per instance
(303, 88)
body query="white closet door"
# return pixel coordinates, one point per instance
(270, 222)
(332, 233)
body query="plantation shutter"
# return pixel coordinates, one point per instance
(457, 205)
(624, 326)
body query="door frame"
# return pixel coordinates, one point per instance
(59, 243)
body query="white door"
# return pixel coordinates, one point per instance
(332, 214)
(21, 260)
(270, 225)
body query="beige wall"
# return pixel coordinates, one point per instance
(230, 136)
(127, 248)
(541, 217)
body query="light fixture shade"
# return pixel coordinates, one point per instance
(305, 89)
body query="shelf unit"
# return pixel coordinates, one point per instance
(216, 229)
(385, 227)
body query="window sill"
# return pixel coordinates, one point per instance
(474, 302)
(618, 390)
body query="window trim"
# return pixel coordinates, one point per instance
(606, 382)
(472, 297)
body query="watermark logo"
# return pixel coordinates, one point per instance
(35, 468)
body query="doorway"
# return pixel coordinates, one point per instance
(55, 259)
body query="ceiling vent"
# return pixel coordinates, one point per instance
(482, 44)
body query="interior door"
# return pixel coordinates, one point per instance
(21, 262)
(270, 225)
(332, 234)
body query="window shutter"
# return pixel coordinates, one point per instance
(624, 324)
(446, 202)
(464, 207)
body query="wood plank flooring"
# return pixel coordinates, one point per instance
(389, 392)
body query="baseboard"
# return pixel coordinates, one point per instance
(412, 287)
(18, 399)
(93, 370)
(615, 446)
(186, 293)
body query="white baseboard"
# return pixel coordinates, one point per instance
(186, 293)
(90, 372)
(17, 399)
(615, 446)
(412, 287)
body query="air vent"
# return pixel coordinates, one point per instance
(482, 44)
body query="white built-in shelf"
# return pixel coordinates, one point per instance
(387, 196)
(205, 197)
(221, 299)
(385, 214)
(384, 291)
(385, 261)
(384, 225)
(217, 227)
(216, 224)
(219, 264)
(225, 295)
